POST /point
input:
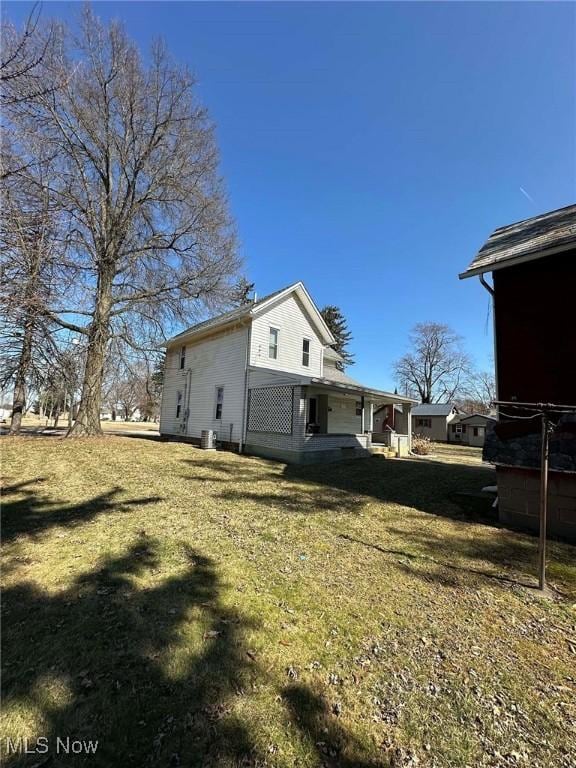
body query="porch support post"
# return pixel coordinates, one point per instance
(362, 419)
(368, 416)
(407, 409)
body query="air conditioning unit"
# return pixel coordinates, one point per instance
(208, 440)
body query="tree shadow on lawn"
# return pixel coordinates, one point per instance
(108, 646)
(438, 488)
(238, 471)
(334, 747)
(297, 500)
(428, 486)
(430, 561)
(29, 513)
(343, 487)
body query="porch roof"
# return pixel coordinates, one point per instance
(354, 387)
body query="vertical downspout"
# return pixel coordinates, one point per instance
(490, 290)
(245, 398)
(188, 388)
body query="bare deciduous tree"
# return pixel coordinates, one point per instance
(29, 249)
(436, 367)
(26, 62)
(150, 241)
(478, 391)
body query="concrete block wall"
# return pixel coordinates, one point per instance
(519, 500)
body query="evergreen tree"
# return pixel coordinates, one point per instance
(338, 326)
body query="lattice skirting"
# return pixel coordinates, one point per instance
(270, 410)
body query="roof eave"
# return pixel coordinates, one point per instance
(208, 331)
(514, 261)
(360, 389)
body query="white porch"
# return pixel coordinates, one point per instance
(339, 415)
(316, 420)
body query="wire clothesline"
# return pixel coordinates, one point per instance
(539, 408)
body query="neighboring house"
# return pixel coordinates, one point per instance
(533, 265)
(432, 420)
(469, 430)
(265, 378)
(390, 417)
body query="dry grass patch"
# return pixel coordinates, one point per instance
(198, 609)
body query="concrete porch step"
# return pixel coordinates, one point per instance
(382, 450)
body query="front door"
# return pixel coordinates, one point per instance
(323, 413)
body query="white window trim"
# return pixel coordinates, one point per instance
(178, 404)
(306, 338)
(277, 346)
(216, 417)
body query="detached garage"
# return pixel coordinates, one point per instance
(432, 420)
(470, 430)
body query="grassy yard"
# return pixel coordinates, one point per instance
(194, 609)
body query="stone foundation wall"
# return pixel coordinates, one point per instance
(519, 444)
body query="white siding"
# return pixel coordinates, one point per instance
(438, 431)
(218, 361)
(327, 443)
(291, 320)
(260, 377)
(174, 380)
(342, 418)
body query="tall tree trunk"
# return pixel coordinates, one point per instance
(19, 400)
(88, 416)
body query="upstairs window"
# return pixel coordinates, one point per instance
(219, 402)
(178, 404)
(273, 344)
(306, 352)
(182, 357)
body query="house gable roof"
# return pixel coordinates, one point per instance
(434, 409)
(469, 416)
(247, 311)
(526, 240)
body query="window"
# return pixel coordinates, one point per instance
(306, 352)
(178, 404)
(273, 344)
(359, 408)
(219, 402)
(424, 423)
(182, 358)
(458, 428)
(475, 431)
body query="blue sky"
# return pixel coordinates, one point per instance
(370, 148)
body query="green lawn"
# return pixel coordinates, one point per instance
(196, 609)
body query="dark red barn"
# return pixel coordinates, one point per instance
(533, 266)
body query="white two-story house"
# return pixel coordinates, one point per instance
(265, 379)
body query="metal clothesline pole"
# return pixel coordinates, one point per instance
(545, 409)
